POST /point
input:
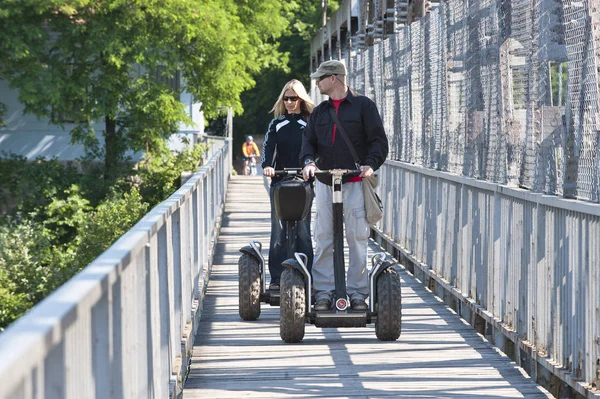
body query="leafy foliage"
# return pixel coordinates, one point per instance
(3, 109)
(31, 266)
(32, 185)
(12, 303)
(111, 219)
(160, 174)
(118, 61)
(304, 18)
(66, 216)
(32, 261)
(56, 232)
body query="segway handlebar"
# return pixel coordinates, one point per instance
(320, 172)
(343, 172)
(288, 172)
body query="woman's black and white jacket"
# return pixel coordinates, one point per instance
(281, 147)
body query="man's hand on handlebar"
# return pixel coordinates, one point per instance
(309, 171)
(269, 171)
(366, 171)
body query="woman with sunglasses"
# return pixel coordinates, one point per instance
(281, 149)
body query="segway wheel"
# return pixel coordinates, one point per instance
(389, 306)
(249, 287)
(292, 306)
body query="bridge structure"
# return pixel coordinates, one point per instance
(491, 195)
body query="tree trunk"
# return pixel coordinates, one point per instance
(111, 146)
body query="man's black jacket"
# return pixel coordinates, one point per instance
(360, 118)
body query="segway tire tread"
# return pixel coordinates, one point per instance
(292, 306)
(249, 287)
(389, 306)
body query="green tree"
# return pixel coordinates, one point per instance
(305, 19)
(112, 61)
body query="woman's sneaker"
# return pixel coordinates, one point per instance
(274, 286)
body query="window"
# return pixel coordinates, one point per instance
(558, 83)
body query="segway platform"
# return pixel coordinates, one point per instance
(385, 296)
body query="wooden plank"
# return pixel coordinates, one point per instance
(438, 355)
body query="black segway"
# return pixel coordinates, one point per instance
(291, 200)
(385, 300)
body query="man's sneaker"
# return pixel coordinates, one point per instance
(358, 304)
(323, 304)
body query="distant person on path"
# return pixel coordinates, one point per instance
(281, 149)
(249, 149)
(323, 147)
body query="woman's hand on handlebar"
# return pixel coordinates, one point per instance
(269, 171)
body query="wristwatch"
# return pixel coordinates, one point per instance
(307, 161)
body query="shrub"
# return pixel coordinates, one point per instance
(66, 216)
(111, 219)
(160, 174)
(12, 303)
(31, 266)
(57, 231)
(31, 186)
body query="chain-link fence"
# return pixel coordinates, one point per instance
(499, 90)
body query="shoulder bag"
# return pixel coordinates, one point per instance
(373, 204)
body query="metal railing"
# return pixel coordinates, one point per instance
(213, 144)
(527, 263)
(124, 326)
(489, 106)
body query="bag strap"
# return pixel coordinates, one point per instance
(345, 137)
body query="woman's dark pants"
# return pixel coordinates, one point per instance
(278, 248)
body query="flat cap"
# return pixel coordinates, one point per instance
(331, 67)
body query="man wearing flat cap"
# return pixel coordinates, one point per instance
(323, 147)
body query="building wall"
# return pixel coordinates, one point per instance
(32, 137)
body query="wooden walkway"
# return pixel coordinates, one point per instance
(437, 355)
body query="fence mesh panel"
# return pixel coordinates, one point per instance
(378, 72)
(389, 95)
(416, 91)
(500, 90)
(581, 169)
(404, 60)
(456, 50)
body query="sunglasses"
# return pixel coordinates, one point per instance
(292, 98)
(320, 78)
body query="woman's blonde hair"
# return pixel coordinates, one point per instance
(306, 105)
